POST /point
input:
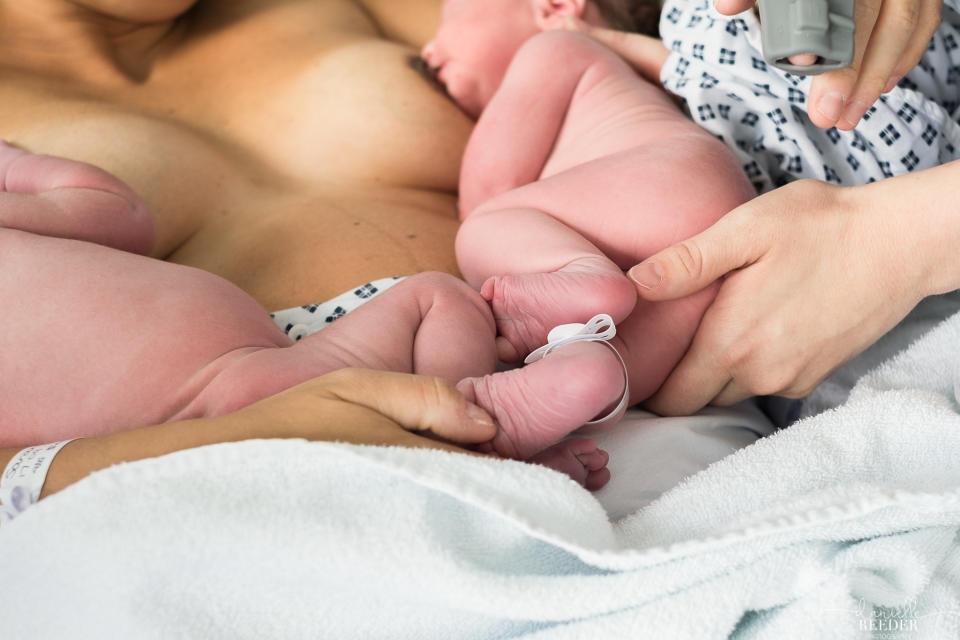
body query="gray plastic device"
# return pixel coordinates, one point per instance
(823, 28)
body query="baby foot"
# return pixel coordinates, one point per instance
(580, 459)
(543, 402)
(527, 306)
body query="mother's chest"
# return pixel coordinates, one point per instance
(352, 112)
(183, 175)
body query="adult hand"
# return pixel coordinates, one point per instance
(814, 274)
(350, 405)
(365, 406)
(890, 38)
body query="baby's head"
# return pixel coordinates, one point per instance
(477, 38)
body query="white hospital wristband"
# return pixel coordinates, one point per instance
(23, 479)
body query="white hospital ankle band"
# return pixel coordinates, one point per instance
(599, 328)
(564, 334)
(23, 478)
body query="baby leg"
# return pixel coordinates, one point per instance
(653, 339)
(120, 340)
(96, 340)
(58, 197)
(435, 324)
(544, 401)
(431, 323)
(551, 275)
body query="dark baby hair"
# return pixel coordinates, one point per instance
(641, 16)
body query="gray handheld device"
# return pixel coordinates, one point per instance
(823, 28)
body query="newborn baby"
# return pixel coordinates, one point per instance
(98, 338)
(577, 169)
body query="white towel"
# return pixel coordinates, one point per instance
(845, 525)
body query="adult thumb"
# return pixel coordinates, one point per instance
(424, 404)
(695, 263)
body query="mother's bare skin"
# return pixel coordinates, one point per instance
(255, 130)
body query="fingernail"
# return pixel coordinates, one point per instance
(478, 415)
(648, 275)
(855, 112)
(831, 106)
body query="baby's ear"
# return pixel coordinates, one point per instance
(551, 14)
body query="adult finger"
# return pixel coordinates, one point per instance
(929, 22)
(417, 403)
(892, 32)
(731, 7)
(830, 92)
(689, 266)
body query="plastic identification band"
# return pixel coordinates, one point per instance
(599, 328)
(23, 478)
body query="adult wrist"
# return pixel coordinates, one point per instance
(24, 477)
(917, 218)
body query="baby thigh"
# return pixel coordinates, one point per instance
(98, 340)
(430, 324)
(654, 338)
(636, 202)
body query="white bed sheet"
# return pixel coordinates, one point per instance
(650, 454)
